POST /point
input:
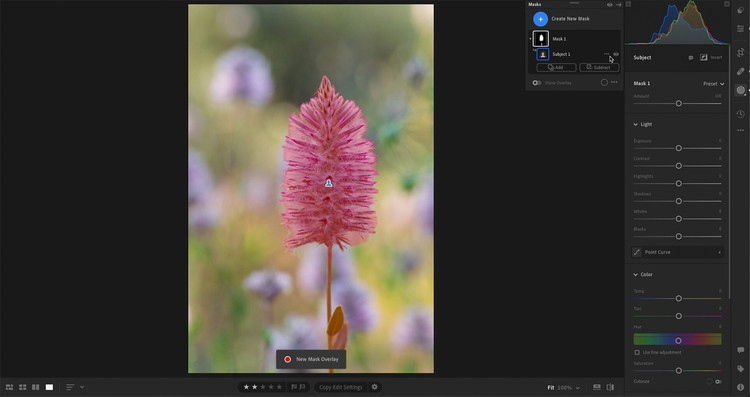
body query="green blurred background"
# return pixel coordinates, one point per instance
(381, 57)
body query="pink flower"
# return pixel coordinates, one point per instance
(328, 183)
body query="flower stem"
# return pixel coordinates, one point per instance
(328, 299)
(267, 314)
(267, 324)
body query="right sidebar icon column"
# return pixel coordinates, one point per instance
(739, 255)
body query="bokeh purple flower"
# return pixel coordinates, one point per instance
(268, 284)
(358, 304)
(297, 334)
(408, 261)
(242, 74)
(396, 109)
(200, 180)
(416, 70)
(203, 213)
(311, 274)
(416, 327)
(426, 205)
(203, 216)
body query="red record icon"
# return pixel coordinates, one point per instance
(287, 359)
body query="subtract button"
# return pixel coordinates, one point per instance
(599, 67)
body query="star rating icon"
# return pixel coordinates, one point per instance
(262, 386)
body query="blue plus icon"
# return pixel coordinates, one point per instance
(540, 19)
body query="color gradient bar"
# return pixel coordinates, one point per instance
(663, 339)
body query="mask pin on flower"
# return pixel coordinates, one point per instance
(328, 185)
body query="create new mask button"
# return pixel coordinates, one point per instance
(310, 359)
(555, 67)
